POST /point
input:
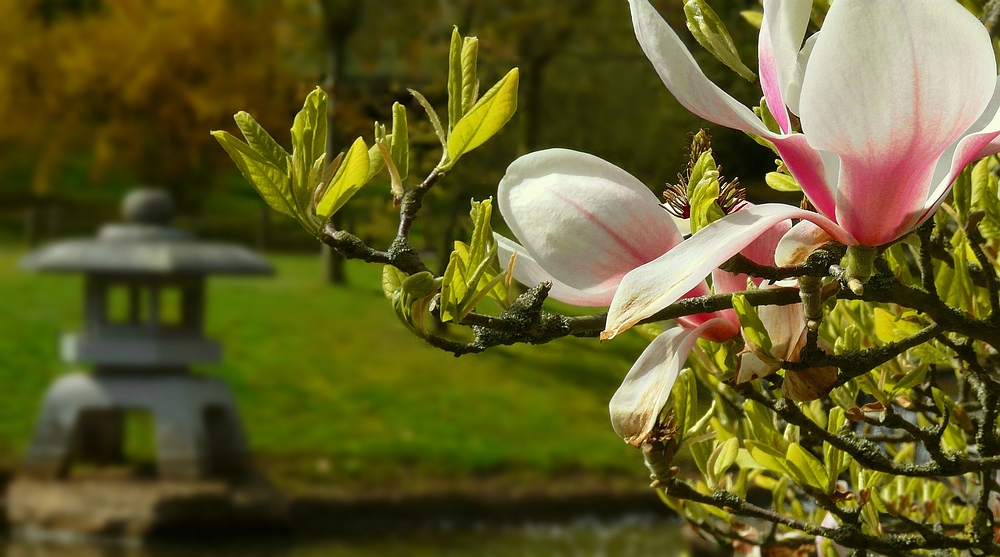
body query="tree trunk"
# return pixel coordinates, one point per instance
(340, 18)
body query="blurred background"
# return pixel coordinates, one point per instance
(339, 402)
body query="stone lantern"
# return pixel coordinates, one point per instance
(144, 311)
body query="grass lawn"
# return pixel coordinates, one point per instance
(334, 392)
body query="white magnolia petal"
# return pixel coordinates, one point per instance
(794, 93)
(583, 219)
(683, 225)
(637, 404)
(972, 147)
(890, 85)
(751, 367)
(682, 76)
(528, 272)
(781, 34)
(795, 246)
(656, 285)
(786, 326)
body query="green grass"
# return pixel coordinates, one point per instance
(333, 390)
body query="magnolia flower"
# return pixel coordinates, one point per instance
(584, 224)
(894, 97)
(829, 522)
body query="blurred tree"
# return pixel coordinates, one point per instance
(136, 84)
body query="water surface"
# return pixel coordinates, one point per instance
(636, 536)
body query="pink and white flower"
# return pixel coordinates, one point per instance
(895, 98)
(584, 224)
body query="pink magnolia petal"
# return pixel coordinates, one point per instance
(803, 239)
(718, 333)
(689, 85)
(583, 220)
(761, 249)
(656, 285)
(682, 76)
(781, 34)
(637, 404)
(890, 85)
(812, 170)
(529, 273)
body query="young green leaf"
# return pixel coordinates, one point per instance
(712, 34)
(352, 174)
(308, 144)
(262, 142)
(484, 119)
(410, 296)
(723, 457)
(399, 146)
(767, 456)
(273, 185)
(806, 468)
(962, 192)
(782, 182)
(473, 270)
(470, 83)
(753, 327)
(455, 80)
(753, 17)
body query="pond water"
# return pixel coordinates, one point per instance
(636, 536)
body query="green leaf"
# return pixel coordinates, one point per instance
(484, 119)
(954, 284)
(962, 192)
(376, 162)
(984, 197)
(308, 145)
(753, 327)
(768, 457)
(400, 142)
(262, 142)
(685, 395)
(723, 457)
(470, 83)
(273, 185)
(712, 34)
(392, 280)
(782, 182)
(352, 174)
(455, 80)
(753, 17)
(764, 113)
(806, 468)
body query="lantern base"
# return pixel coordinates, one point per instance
(197, 428)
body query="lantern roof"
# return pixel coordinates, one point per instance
(145, 244)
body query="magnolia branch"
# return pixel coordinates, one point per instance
(847, 535)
